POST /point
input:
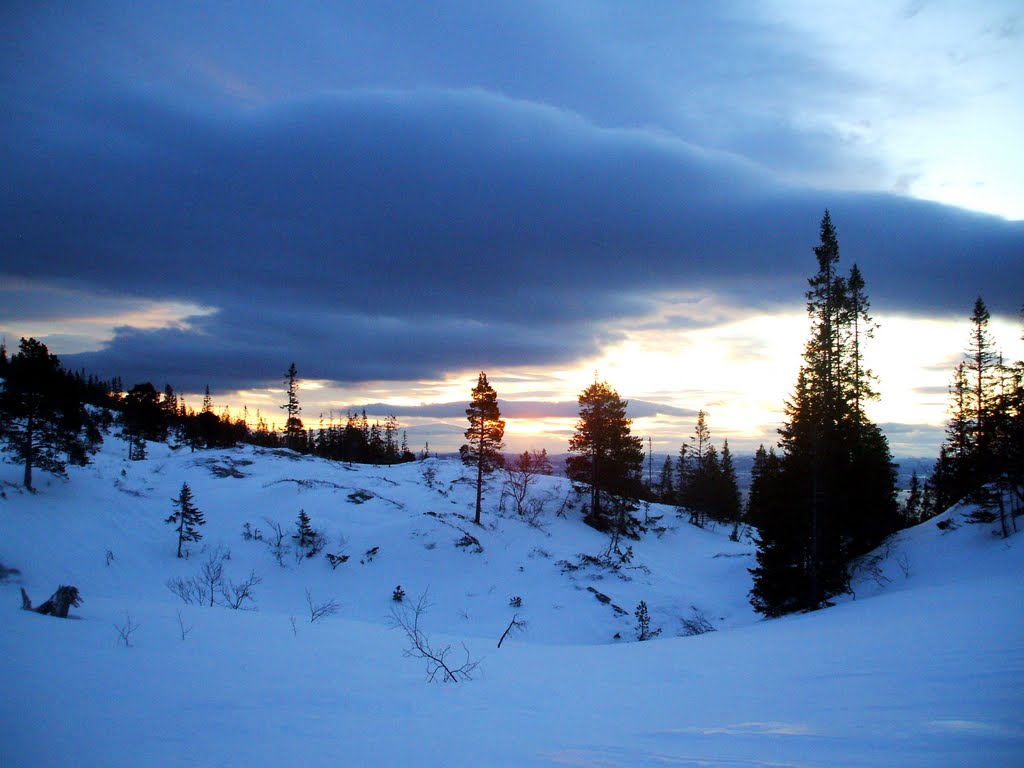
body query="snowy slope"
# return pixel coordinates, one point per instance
(924, 667)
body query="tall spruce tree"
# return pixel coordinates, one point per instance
(43, 420)
(982, 368)
(837, 481)
(665, 489)
(485, 436)
(186, 517)
(607, 459)
(729, 507)
(294, 431)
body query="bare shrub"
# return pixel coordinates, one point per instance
(904, 564)
(185, 589)
(126, 630)
(276, 541)
(318, 611)
(211, 583)
(182, 628)
(210, 580)
(697, 623)
(519, 477)
(236, 594)
(408, 618)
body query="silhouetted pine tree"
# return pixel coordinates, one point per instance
(143, 418)
(294, 432)
(730, 506)
(981, 458)
(608, 459)
(665, 489)
(485, 435)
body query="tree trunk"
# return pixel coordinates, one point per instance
(479, 473)
(29, 436)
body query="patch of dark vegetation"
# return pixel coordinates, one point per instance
(308, 483)
(6, 573)
(335, 560)
(605, 600)
(470, 543)
(696, 623)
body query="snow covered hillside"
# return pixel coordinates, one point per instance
(925, 666)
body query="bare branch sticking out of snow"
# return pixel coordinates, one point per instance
(318, 611)
(407, 618)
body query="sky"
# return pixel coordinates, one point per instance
(395, 196)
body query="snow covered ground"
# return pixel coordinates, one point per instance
(924, 667)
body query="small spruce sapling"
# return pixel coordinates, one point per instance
(643, 623)
(187, 517)
(308, 539)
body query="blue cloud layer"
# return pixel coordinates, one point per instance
(390, 192)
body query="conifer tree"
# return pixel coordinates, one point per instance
(43, 420)
(707, 480)
(666, 488)
(860, 326)
(607, 458)
(981, 458)
(308, 538)
(913, 507)
(143, 419)
(294, 432)
(485, 436)
(730, 506)
(186, 517)
(982, 373)
(765, 474)
(834, 498)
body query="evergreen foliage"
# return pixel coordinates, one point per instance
(143, 418)
(305, 533)
(186, 517)
(607, 460)
(707, 486)
(643, 623)
(831, 496)
(982, 458)
(307, 538)
(43, 419)
(665, 491)
(485, 436)
(294, 431)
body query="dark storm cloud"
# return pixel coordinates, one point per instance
(390, 235)
(384, 190)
